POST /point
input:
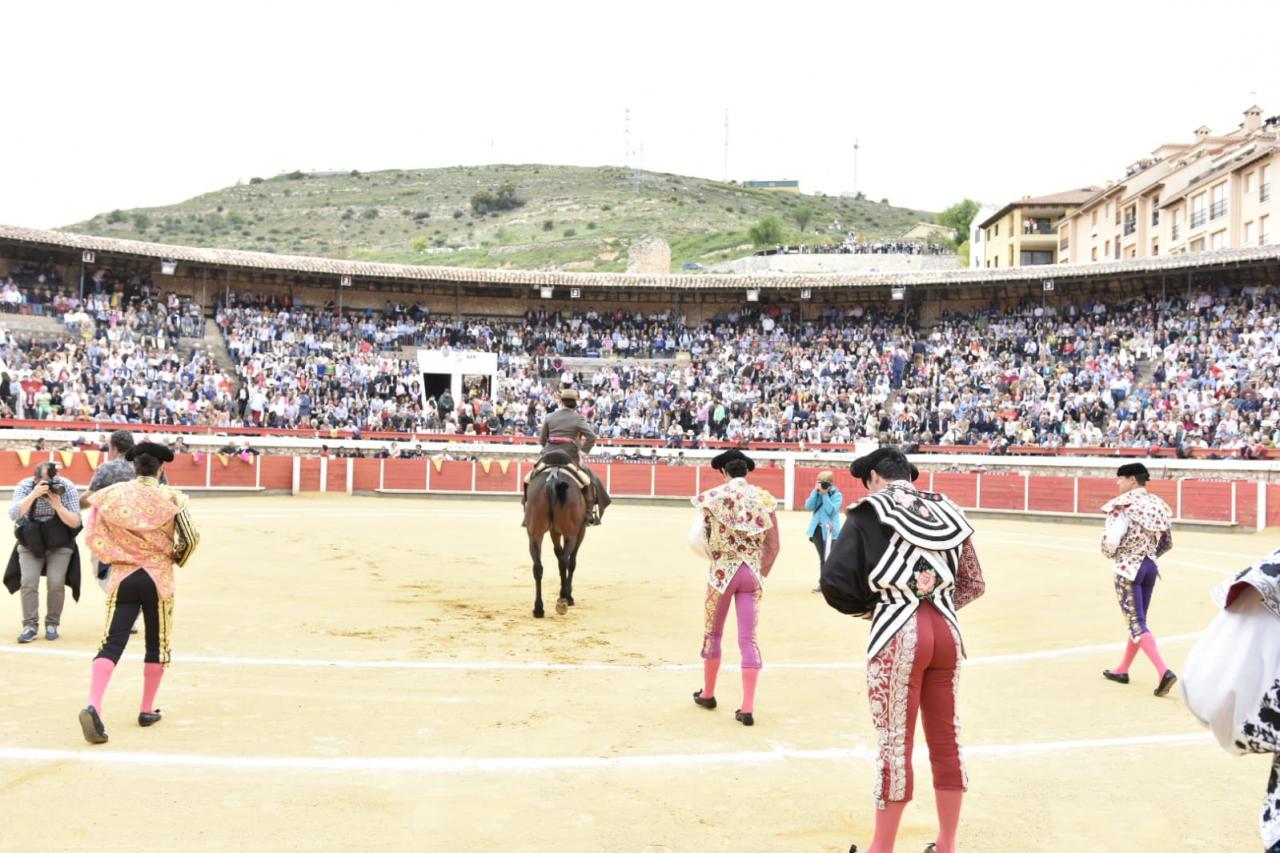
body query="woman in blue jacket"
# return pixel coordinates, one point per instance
(825, 504)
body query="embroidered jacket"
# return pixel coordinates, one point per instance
(737, 520)
(1137, 528)
(929, 557)
(132, 527)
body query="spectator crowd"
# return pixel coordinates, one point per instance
(1182, 373)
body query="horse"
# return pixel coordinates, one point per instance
(555, 503)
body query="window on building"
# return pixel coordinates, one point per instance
(1218, 200)
(1155, 211)
(1264, 183)
(1196, 245)
(1106, 250)
(997, 229)
(1035, 259)
(1199, 212)
(1264, 236)
(1155, 248)
(1093, 218)
(1176, 223)
(1093, 253)
(1249, 233)
(1218, 240)
(1248, 181)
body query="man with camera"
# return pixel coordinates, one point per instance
(46, 509)
(824, 525)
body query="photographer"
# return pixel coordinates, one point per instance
(824, 526)
(46, 547)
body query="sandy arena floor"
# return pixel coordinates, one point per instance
(365, 674)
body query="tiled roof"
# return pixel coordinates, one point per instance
(958, 277)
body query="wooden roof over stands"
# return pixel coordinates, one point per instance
(1169, 265)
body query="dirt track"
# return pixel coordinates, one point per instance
(484, 729)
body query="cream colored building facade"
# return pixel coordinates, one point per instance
(1214, 192)
(1024, 233)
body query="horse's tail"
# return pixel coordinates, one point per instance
(560, 495)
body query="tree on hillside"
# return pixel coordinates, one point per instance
(503, 198)
(958, 218)
(767, 232)
(803, 217)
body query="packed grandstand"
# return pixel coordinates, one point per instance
(1184, 369)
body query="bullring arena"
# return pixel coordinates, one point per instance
(363, 672)
(356, 665)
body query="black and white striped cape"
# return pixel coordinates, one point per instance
(933, 540)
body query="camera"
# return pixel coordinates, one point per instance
(824, 485)
(55, 487)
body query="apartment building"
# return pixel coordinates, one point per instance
(1214, 192)
(1024, 233)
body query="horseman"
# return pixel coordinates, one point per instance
(567, 431)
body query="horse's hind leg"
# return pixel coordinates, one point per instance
(535, 551)
(563, 555)
(573, 566)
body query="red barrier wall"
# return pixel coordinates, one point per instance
(1051, 494)
(277, 472)
(309, 475)
(404, 473)
(366, 474)
(1002, 491)
(336, 476)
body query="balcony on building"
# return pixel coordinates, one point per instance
(1198, 218)
(1130, 225)
(1264, 191)
(1177, 231)
(1217, 209)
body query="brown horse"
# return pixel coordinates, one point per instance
(555, 504)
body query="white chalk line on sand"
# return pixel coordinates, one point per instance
(551, 666)
(529, 764)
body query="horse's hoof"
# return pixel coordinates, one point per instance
(569, 601)
(562, 607)
(538, 614)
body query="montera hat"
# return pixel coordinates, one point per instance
(159, 451)
(1136, 470)
(723, 459)
(862, 467)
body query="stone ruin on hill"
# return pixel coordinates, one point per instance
(649, 255)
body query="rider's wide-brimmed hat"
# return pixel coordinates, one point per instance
(569, 394)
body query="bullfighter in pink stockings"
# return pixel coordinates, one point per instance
(737, 529)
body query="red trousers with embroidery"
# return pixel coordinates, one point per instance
(916, 674)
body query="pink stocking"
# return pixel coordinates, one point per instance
(887, 820)
(749, 679)
(710, 669)
(1148, 643)
(102, 669)
(1130, 652)
(151, 675)
(948, 819)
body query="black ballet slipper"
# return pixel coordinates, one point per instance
(148, 718)
(1166, 683)
(1117, 677)
(746, 719)
(709, 703)
(91, 725)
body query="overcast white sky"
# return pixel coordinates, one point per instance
(133, 104)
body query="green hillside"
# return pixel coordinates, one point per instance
(565, 217)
